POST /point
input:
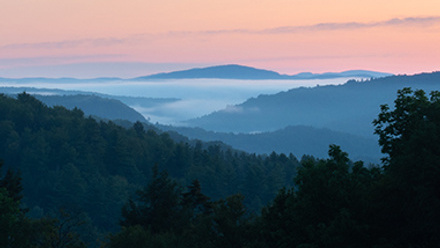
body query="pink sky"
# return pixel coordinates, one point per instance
(288, 36)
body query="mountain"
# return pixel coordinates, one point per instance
(231, 71)
(249, 73)
(72, 162)
(221, 72)
(351, 73)
(105, 108)
(90, 103)
(298, 140)
(348, 108)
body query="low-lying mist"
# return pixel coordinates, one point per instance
(197, 97)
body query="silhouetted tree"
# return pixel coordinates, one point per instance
(409, 197)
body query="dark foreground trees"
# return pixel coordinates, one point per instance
(76, 163)
(334, 203)
(165, 215)
(408, 202)
(327, 208)
(17, 230)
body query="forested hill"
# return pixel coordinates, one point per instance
(347, 108)
(299, 140)
(86, 171)
(110, 109)
(104, 106)
(69, 161)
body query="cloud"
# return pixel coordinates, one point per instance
(325, 26)
(329, 26)
(21, 66)
(67, 43)
(143, 37)
(235, 109)
(232, 109)
(182, 110)
(55, 59)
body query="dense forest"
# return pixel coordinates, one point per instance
(72, 162)
(95, 175)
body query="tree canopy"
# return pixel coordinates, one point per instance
(98, 169)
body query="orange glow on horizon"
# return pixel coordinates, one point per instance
(283, 35)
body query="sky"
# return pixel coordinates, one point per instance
(128, 38)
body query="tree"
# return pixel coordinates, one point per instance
(230, 222)
(278, 220)
(61, 232)
(325, 209)
(12, 183)
(157, 207)
(409, 196)
(15, 228)
(12, 221)
(139, 237)
(195, 201)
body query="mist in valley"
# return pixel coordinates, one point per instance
(192, 98)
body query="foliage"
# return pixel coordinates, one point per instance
(72, 162)
(17, 230)
(14, 226)
(158, 206)
(325, 209)
(67, 159)
(410, 196)
(163, 215)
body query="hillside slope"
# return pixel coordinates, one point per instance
(72, 162)
(347, 108)
(105, 108)
(298, 140)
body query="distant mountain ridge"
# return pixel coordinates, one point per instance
(234, 71)
(230, 71)
(220, 72)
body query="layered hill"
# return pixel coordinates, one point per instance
(350, 107)
(110, 109)
(230, 71)
(298, 140)
(72, 162)
(104, 106)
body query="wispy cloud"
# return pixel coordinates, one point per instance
(326, 26)
(50, 60)
(67, 43)
(410, 21)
